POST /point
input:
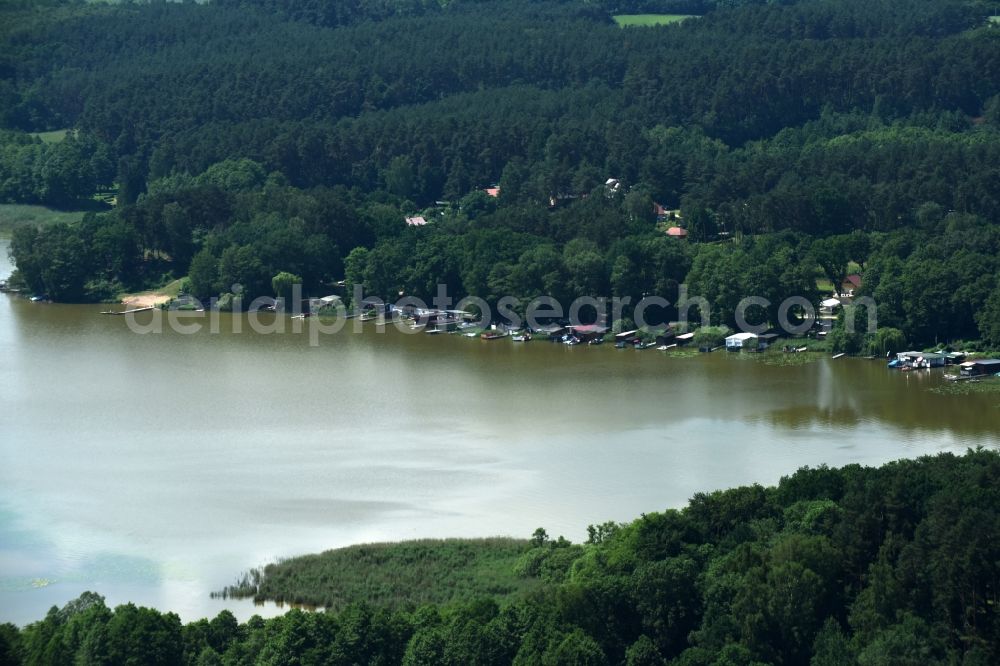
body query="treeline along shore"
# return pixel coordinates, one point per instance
(891, 565)
(511, 148)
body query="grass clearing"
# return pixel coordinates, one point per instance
(629, 20)
(13, 216)
(55, 136)
(995, 20)
(392, 575)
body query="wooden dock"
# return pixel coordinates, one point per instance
(125, 312)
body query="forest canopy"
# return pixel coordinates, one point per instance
(241, 139)
(891, 565)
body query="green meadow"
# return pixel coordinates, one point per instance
(394, 575)
(624, 20)
(55, 136)
(19, 215)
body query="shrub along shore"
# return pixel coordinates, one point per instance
(857, 565)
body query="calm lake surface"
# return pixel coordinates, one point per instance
(155, 468)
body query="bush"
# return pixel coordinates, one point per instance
(225, 302)
(884, 341)
(843, 341)
(103, 291)
(711, 336)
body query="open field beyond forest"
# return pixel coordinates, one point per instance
(54, 136)
(626, 20)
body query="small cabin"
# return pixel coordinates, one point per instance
(980, 367)
(954, 358)
(666, 337)
(829, 306)
(551, 331)
(741, 341)
(684, 338)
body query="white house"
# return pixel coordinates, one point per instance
(828, 305)
(741, 341)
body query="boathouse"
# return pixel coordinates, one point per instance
(980, 367)
(552, 331)
(741, 341)
(922, 359)
(588, 332)
(684, 338)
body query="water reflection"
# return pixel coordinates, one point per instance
(157, 468)
(858, 393)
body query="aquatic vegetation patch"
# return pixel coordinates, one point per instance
(990, 385)
(780, 358)
(681, 353)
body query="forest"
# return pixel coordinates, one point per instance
(898, 564)
(794, 142)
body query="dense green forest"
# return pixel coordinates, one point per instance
(871, 566)
(245, 138)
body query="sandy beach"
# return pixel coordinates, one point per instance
(144, 300)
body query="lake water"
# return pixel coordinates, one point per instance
(155, 468)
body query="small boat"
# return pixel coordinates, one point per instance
(645, 345)
(368, 317)
(839, 355)
(596, 341)
(471, 334)
(493, 335)
(894, 363)
(434, 331)
(521, 337)
(620, 344)
(570, 340)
